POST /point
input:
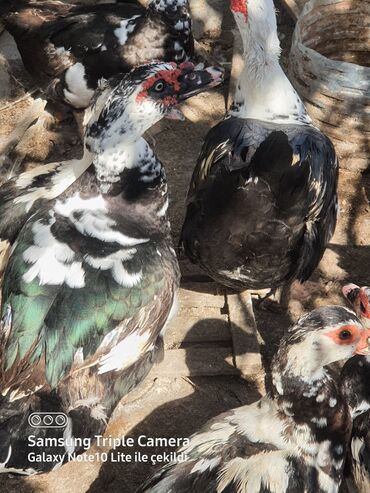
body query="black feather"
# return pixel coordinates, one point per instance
(261, 203)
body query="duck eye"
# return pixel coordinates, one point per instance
(159, 86)
(192, 76)
(344, 335)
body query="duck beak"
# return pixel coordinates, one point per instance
(175, 114)
(363, 346)
(350, 291)
(195, 81)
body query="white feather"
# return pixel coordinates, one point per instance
(66, 173)
(125, 353)
(251, 474)
(356, 446)
(77, 94)
(162, 211)
(203, 464)
(94, 221)
(127, 26)
(263, 90)
(52, 261)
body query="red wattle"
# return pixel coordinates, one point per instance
(239, 6)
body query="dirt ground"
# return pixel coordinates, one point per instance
(170, 405)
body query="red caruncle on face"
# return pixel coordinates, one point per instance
(363, 303)
(169, 76)
(169, 100)
(345, 335)
(239, 6)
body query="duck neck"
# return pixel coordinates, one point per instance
(297, 373)
(263, 91)
(299, 367)
(318, 415)
(117, 146)
(355, 376)
(126, 158)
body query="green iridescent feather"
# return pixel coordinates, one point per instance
(59, 319)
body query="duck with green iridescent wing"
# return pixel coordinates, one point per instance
(92, 276)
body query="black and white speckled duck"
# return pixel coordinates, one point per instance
(23, 195)
(294, 440)
(68, 48)
(92, 275)
(356, 384)
(262, 201)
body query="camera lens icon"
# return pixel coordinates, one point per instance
(35, 420)
(47, 420)
(61, 420)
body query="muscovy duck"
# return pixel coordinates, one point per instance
(293, 439)
(356, 384)
(69, 48)
(92, 275)
(21, 195)
(262, 200)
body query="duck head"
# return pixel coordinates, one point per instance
(256, 21)
(355, 373)
(240, 10)
(124, 108)
(319, 338)
(359, 298)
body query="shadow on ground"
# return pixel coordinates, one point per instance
(177, 418)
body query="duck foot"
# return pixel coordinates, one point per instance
(270, 305)
(246, 339)
(275, 301)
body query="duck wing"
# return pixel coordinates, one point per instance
(52, 37)
(294, 165)
(20, 195)
(85, 29)
(358, 465)
(67, 295)
(233, 453)
(316, 152)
